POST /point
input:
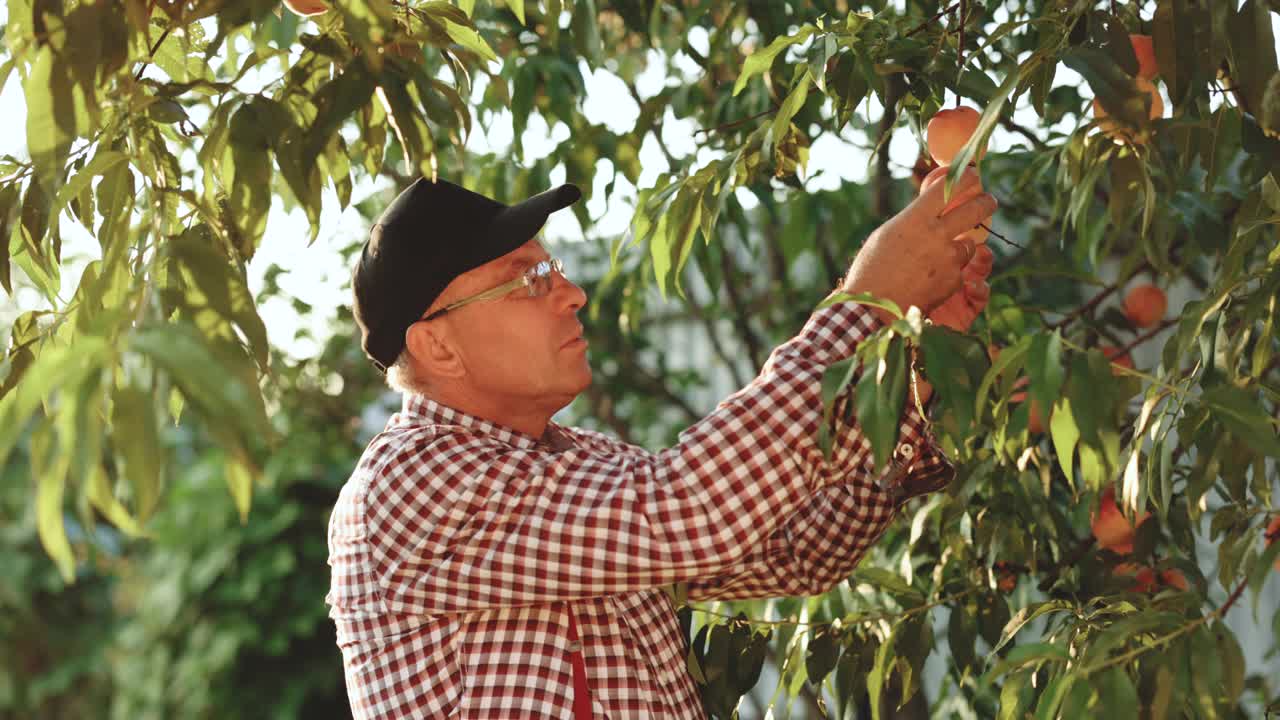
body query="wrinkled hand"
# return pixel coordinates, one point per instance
(917, 257)
(962, 307)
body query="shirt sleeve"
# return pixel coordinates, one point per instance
(822, 544)
(462, 522)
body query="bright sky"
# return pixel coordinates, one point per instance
(315, 275)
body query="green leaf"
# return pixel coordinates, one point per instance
(760, 61)
(879, 674)
(986, 123)
(1241, 412)
(1116, 91)
(240, 482)
(102, 162)
(464, 34)
(137, 439)
(1025, 655)
(879, 398)
(212, 379)
(888, 581)
(49, 472)
(1253, 54)
(55, 368)
(56, 115)
(1127, 629)
(1044, 365)
(221, 285)
(1054, 693)
(1026, 615)
(1065, 436)
(821, 654)
(467, 6)
(782, 121)
(100, 495)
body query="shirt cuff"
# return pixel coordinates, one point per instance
(918, 466)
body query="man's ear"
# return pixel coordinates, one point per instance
(433, 350)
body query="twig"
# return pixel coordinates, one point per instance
(1088, 306)
(987, 227)
(151, 56)
(933, 19)
(735, 123)
(1160, 641)
(1145, 337)
(960, 45)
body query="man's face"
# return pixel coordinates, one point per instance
(519, 349)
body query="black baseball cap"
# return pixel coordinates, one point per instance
(429, 235)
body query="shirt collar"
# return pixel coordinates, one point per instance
(421, 410)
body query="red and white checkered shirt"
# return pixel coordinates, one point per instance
(458, 547)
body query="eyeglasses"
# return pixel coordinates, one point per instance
(536, 279)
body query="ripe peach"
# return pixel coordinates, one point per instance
(1174, 578)
(948, 131)
(1112, 529)
(1145, 305)
(1119, 132)
(1143, 576)
(958, 197)
(307, 8)
(1122, 361)
(1006, 576)
(1145, 49)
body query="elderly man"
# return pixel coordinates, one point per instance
(489, 563)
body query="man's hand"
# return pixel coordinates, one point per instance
(917, 257)
(963, 306)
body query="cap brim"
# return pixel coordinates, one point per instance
(519, 223)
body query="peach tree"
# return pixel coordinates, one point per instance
(1113, 409)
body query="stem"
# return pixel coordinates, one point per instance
(964, 7)
(151, 56)
(1090, 305)
(933, 19)
(1146, 336)
(1158, 642)
(987, 227)
(736, 123)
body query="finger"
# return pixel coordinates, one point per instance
(968, 214)
(975, 271)
(964, 251)
(977, 292)
(934, 198)
(983, 259)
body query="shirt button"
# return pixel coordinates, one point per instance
(906, 451)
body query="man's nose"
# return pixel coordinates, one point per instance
(573, 296)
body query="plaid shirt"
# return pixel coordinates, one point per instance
(458, 547)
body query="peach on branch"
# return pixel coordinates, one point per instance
(1145, 305)
(1145, 50)
(1111, 354)
(948, 131)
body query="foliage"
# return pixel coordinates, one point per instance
(153, 375)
